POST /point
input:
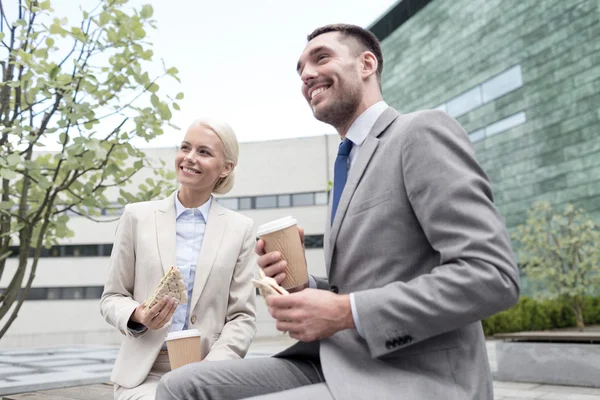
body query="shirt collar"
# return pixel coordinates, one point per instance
(359, 130)
(179, 208)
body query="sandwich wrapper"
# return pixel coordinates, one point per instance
(268, 286)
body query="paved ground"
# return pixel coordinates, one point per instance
(81, 372)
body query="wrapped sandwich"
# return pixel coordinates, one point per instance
(171, 285)
(268, 286)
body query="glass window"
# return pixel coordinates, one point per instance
(246, 203)
(441, 107)
(303, 199)
(231, 202)
(81, 250)
(72, 293)
(284, 200)
(313, 241)
(477, 135)
(53, 294)
(321, 198)
(37, 294)
(266, 202)
(93, 292)
(106, 249)
(503, 83)
(465, 102)
(506, 124)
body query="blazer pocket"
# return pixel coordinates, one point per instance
(370, 203)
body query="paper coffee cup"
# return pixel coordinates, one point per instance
(282, 235)
(184, 347)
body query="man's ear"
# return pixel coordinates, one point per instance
(369, 64)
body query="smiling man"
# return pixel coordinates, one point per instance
(416, 255)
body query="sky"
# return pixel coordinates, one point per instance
(237, 59)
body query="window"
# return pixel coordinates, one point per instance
(284, 200)
(503, 83)
(321, 198)
(313, 241)
(303, 199)
(87, 250)
(93, 292)
(105, 250)
(477, 135)
(266, 202)
(499, 126)
(53, 294)
(63, 293)
(231, 203)
(505, 124)
(37, 294)
(483, 93)
(464, 103)
(245, 203)
(72, 293)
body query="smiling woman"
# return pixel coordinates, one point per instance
(191, 231)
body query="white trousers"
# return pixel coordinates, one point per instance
(147, 389)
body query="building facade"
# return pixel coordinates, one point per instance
(274, 179)
(522, 77)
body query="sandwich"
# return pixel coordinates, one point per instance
(171, 285)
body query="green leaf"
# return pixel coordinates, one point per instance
(1, 35)
(104, 18)
(154, 100)
(49, 42)
(55, 29)
(164, 111)
(147, 11)
(7, 173)
(139, 33)
(13, 159)
(179, 96)
(172, 71)
(6, 205)
(153, 88)
(176, 106)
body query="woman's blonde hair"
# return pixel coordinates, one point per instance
(232, 150)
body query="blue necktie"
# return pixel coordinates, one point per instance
(340, 174)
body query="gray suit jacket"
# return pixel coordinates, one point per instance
(419, 241)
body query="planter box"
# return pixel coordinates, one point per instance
(576, 364)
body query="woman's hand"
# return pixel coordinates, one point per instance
(157, 316)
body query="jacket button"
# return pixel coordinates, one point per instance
(193, 319)
(334, 289)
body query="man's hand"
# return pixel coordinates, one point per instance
(272, 264)
(157, 316)
(311, 314)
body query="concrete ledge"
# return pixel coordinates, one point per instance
(549, 363)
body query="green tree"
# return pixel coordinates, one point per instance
(561, 254)
(86, 90)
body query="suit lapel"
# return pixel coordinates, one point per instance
(165, 232)
(367, 149)
(213, 236)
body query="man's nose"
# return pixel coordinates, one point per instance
(309, 73)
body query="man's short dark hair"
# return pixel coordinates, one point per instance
(365, 38)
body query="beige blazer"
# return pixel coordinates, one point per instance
(222, 304)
